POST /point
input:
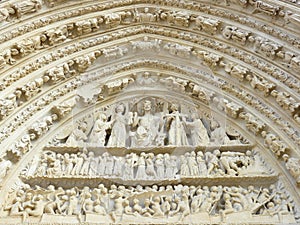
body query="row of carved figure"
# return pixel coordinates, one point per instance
(175, 17)
(146, 166)
(171, 128)
(81, 63)
(152, 201)
(179, 18)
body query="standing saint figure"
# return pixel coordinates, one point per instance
(176, 135)
(118, 134)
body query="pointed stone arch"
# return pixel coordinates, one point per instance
(62, 59)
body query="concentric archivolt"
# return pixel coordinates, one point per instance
(60, 60)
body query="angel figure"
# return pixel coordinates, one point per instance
(118, 134)
(78, 136)
(98, 134)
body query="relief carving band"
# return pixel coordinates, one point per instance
(150, 112)
(148, 122)
(148, 166)
(176, 203)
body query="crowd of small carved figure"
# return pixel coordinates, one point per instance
(155, 201)
(129, 129)
(146, 166)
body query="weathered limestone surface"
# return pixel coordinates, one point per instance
(149, 112)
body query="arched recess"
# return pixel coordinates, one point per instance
(235, 61)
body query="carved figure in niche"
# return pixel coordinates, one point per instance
(146, 44)
(57, 35)
(150, 171)
(236, 34)
(198, 132)
(78, 162)
(293, 166)
(86, 26)
(68, 164)
(118, 134)
(141, 167)
(176, 131)
(28, 6)
(60, 72)
(227, 160)
(109, 164)
(86, 164)
(146, 79)
(174, 83)
(211, 59)
(65, 107)
(235, 70)
(253, 123)
(118, 167)
(5, 13)
(295, 63)
(182, 206)
(193, 165)
(147, 127)
(116, 18)
(32, 167)
(213, 167)
(286, 101)
(98, 134)
(4, 167)
(208, 25)
(145, 16)
(7, 105)
(266, 8)
(201, 164)
(118, 206)
(160, 166)
(78, 136)
(219, 136)
(179, 18)
(184, 167)
(269, 48)
(178, 50)
(130, 163)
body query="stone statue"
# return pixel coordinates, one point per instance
(218, 135)
(201, 164)
(293, 166)
(78, 136)
(98, 134)
(176, 131)
(147, 127)
(118, 134)
(160, 166)
(5, 165)
(150, 171)
(141, 167)
(28, 6)
(198, 132)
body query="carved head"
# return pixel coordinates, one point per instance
(285, 157)
(147, 105)
(174, 107)
(120, 108)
